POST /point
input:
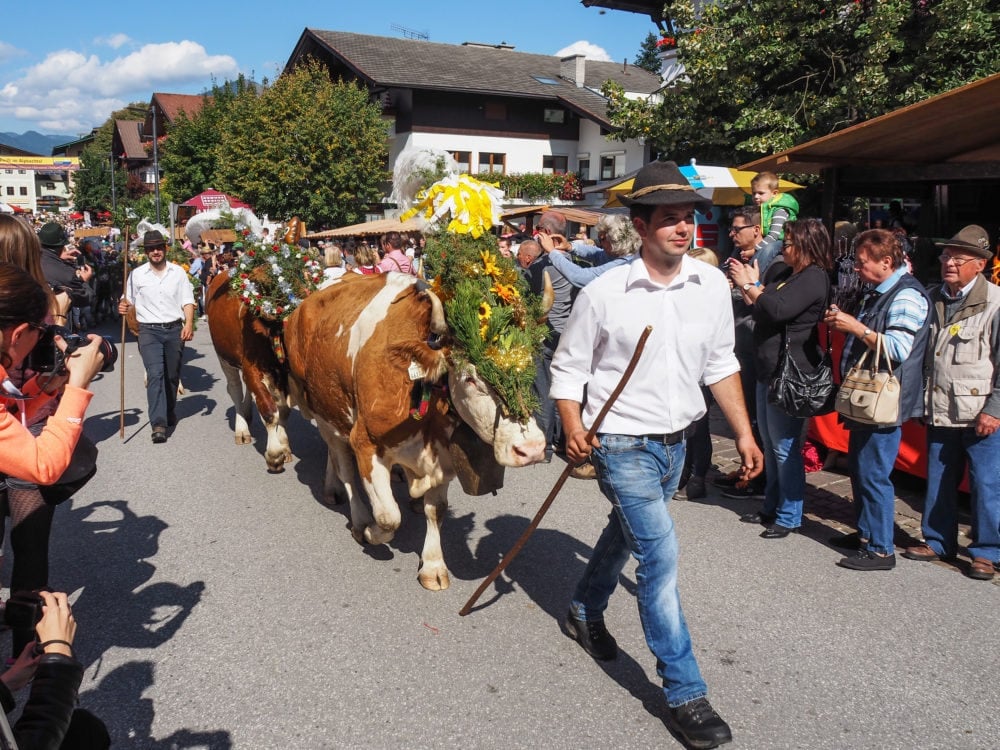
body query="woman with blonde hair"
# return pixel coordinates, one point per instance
(617, 243)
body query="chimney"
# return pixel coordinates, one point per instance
(573, 68)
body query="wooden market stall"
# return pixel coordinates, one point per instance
(944, 151)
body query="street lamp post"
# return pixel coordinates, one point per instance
(114, 197)
(156, 163)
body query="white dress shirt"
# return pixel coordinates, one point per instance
(159, 298)
(691, 344)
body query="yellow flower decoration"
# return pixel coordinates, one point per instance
(515, 358)
(485, 312)
(470, 206)
(490, 267)
(507, 293)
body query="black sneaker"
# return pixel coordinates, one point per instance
(592, 636)
(699, 724)
(159, 435)
(747, 492)
(846, 541)
(696, 488)
(867, 560)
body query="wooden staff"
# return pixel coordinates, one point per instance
(508, 558)
(121, 367)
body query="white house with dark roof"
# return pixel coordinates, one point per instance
(493, 108)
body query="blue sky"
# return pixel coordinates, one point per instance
(66, 65)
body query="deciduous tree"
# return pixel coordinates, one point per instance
(765, 75)
(305, 146)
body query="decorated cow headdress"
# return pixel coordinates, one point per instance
(492, 315)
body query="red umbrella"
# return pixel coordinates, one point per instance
(214, 199)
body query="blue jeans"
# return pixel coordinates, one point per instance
(783, 467)
(947, 449)
(161, 350)
(871, 453)
(639, 477)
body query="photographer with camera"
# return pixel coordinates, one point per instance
(50, 719)
(65, 269)
(27, 460)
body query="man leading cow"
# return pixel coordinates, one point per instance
(639, 451)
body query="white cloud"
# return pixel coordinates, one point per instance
(72, 92)
(587, 49)
(115, 41)
(8, 52)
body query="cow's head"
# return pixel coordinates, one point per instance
(514, 443)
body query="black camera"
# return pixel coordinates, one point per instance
(23, 610)
(47, 357)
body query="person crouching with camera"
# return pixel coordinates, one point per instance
(50, 718)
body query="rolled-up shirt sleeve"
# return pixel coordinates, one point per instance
(721, 362)
(579, 345)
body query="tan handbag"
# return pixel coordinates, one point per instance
(868, 395)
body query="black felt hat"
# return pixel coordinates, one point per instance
(660, 183)
(52, 235)
(153, 239)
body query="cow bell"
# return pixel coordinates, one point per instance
(474, 462)
(294, 231)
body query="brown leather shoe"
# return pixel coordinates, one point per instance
(981, 569)
(921, 553)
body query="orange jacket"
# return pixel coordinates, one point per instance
(43, 459)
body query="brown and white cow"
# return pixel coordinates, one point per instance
(354, 350)
(244, 344)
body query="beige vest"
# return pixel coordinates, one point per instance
(959, 359)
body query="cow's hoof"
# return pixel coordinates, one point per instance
(276, 464)
(434, 577)
(243, 438)
(335, 497)
(377, 535)
(358, 534)
(417, 505)
(288, 457)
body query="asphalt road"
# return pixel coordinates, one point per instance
(224, 607)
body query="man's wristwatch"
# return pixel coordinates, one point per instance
(867, 333)
(746, 287)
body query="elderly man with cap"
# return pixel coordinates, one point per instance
(164, 306)
(962, 367)
(60, 264)
(639, 449)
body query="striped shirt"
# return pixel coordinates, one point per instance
(906, 314)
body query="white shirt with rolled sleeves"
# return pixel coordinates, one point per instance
(691, 344)
(159, 298)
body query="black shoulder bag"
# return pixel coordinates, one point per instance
(801, 395)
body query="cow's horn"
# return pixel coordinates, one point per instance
(438, 323)
(548, 294)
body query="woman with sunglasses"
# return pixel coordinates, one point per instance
(24, 305)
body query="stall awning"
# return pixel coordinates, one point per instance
(367, 229)
(949, 131)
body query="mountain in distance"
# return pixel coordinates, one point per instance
(34, 142)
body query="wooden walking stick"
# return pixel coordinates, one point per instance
(509, 557)
(121, 367)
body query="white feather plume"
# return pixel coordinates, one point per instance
(417, 169)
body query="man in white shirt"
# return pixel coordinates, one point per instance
(639, 451)
(164, 306)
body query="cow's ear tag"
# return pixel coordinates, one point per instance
(415, 371)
